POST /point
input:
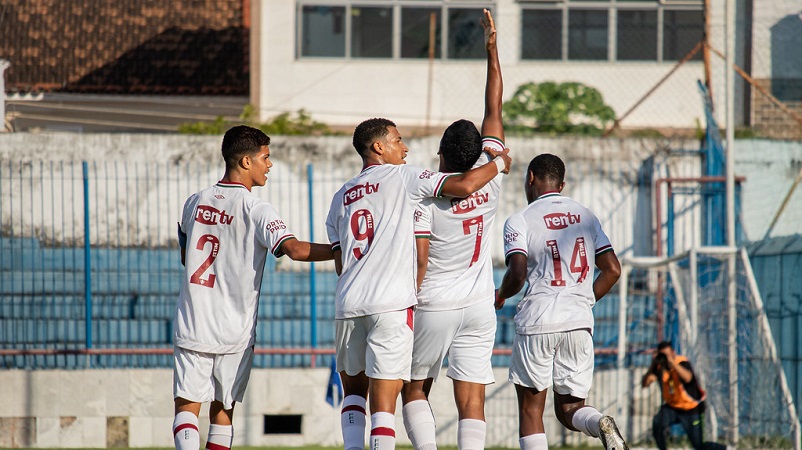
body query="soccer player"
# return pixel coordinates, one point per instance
(455, 315)
(371, 229)
(553, 244)
(225, 234)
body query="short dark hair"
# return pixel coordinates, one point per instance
(548, 167)
(461, 146)
(240, 141)
(664, 344)
(370, 131)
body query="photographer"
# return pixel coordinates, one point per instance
(682, 396)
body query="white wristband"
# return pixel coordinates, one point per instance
(500, 163)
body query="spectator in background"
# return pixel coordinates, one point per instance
(683, 397)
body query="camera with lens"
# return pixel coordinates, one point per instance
(660, 362)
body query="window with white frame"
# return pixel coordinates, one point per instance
(396, 29)
(610, 30)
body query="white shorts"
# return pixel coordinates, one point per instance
(565, 357)
(203, 377)
(465, 335)
(379, 344)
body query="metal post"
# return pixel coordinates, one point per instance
(3, 66)
(623, 392)
(312, 281)
(87, 261)
(730, 183)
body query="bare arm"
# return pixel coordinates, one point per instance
(684, 374)
(422, 245)
(514, 279)
(338, 262)
(494, 89)
(610, 272)
(306, 251)
(183, 256)
(465, 184)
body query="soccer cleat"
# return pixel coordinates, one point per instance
(610, 436)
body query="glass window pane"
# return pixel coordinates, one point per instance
(587, 34)
(323, 32)
(637, 35)
(371, 32)
(415, 32)
(541, 34)
(465, 34)
(682, 30)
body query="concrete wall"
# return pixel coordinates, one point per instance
(134, 408)
(346, 91)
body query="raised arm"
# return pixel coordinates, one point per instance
(494, 88)
(465, 184)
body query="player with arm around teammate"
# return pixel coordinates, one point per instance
(553, 243)
(225, 234)
(370, 226)
(455, 316)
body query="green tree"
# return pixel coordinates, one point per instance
(557, 108)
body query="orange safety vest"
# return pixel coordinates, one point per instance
(674, 393)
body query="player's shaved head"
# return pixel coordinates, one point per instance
(548, 167)
(240, 141)
(461, 146)
(370, 131)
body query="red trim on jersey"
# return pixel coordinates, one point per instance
(213, 446)
(283, 239)
(439, 188)
(423, 234)
(356, 408)
(515, 250)
(548, 193)
(183, 426)
(231, 184)
(382, 431)
(411, 318)
(604, 249)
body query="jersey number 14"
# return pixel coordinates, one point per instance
(579, 261)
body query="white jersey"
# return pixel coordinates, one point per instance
(460, 271)
(227, 232)
(561, 239)
(371, 221)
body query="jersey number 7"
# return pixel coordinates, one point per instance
(477, 221)
(579, 261)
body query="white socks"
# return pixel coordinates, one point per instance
(185, 431)
(586, 419)
(471, 434)
(382, 431)
(352, 419)
(220, 437)
(534, 442)
(420, 425)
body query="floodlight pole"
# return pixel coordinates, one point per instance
(730, 201)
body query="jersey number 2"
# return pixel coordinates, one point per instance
(197, 276)
(359, 235)
(477, 221)
(579, 261)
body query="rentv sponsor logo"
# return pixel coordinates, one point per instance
(209, 215)
(558, 221)
(468, 204)
(359, 191)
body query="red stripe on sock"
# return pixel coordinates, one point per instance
(353, 408)
(382, 431)
(182, 426)
(213, 446)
